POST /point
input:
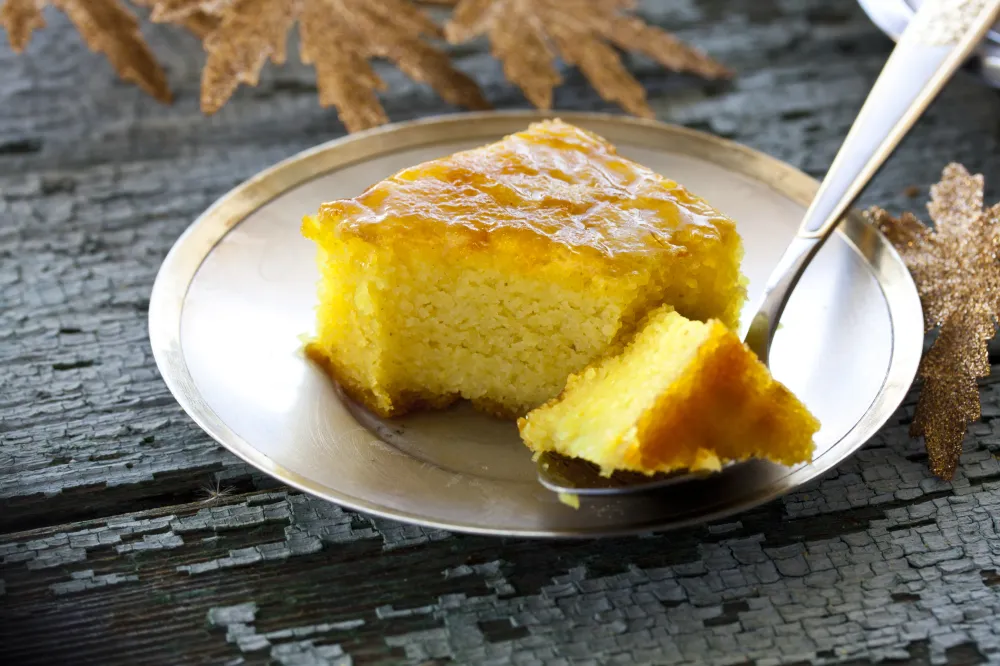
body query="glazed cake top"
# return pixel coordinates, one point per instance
(553, 181)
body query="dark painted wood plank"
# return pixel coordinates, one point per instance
(280, 578)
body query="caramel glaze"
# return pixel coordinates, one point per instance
(553, 182)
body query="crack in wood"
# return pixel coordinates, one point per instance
(21, 147)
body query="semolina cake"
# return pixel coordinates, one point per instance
(683, 395)
(492, 274)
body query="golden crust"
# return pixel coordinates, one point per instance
(553, 184)
(725, 407)
(403, 402)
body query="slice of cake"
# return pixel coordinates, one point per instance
(494, 273)
(682, 395)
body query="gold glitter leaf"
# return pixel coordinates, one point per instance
(20, 18)
(525, 36)
(957, 272)
(338, 37)
(201, 24)
(198, 16)
(174, 11)
(249, 33)
(105, 25)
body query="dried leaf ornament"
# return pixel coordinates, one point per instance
(525, 35)
(338, 37)
(957, 272)
(107, 26)
(200, 21)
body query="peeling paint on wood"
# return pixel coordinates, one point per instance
(134, 538)
(238, 622)
(86, 580)
(921, 576)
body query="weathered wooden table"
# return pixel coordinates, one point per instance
(130, 537)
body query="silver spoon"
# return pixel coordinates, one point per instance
(937, 41)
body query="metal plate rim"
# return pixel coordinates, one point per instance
(195, 244)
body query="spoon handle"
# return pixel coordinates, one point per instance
(937, 41)
(934, 45)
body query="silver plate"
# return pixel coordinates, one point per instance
(892, 17)
(236, 294)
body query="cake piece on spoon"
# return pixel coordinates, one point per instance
(683, 395)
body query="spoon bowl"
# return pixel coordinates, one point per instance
(580, 477)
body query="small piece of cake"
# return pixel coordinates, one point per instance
(494, 273)
(683, 395)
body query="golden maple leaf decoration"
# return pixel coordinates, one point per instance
(106, 26)
(525, 35)
(338, 37)
(957, 272)
(200, 21)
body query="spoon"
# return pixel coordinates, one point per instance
(942, 34)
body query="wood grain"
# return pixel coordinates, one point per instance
(133, 538)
